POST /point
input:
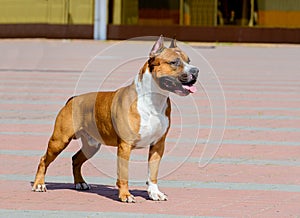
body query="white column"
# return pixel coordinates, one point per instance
(251, 13)
(100, 19)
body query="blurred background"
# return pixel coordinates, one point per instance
(190, 20)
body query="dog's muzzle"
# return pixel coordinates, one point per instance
(182, 85)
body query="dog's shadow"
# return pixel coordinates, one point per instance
(110, 192)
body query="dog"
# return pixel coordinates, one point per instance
(135, 116)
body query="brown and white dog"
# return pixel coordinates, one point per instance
(134, 116)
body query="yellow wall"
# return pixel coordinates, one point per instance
(47, 11)
(81, 11)
(26, 11)
(279, 18)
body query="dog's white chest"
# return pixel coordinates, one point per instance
(151, 106)
(152, 128)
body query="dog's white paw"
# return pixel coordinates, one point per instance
(39, 188)
(155, 194)
(82, 186)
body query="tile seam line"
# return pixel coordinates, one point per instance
(65, 213)
(167, 158)
(234, 186)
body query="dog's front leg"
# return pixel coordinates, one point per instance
(155, 154)
(124, 151)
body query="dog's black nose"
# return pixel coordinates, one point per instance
(194, 71)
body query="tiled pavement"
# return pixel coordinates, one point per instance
(255, 173)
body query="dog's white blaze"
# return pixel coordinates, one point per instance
(151, 105)
(187, 67)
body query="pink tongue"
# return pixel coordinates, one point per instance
(192, 89)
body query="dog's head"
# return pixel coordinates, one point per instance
(171, 68)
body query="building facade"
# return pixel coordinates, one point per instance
(196, 20)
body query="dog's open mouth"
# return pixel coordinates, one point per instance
(174, 85)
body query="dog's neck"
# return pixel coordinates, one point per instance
(153, 97)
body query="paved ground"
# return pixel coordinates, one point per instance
(255, 173)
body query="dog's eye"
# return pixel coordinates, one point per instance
(175, 62)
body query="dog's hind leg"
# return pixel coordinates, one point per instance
(62, 135)
(89, 147)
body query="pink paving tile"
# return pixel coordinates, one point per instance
(259, 90)
(36, 128)
(259, 152)
(170, 170)
(203, 202)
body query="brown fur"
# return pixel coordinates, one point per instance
(112, 119)
(93, 113)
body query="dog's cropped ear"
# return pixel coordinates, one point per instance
(173, 43)
(158, 47)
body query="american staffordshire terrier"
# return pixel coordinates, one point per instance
(135, 116)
